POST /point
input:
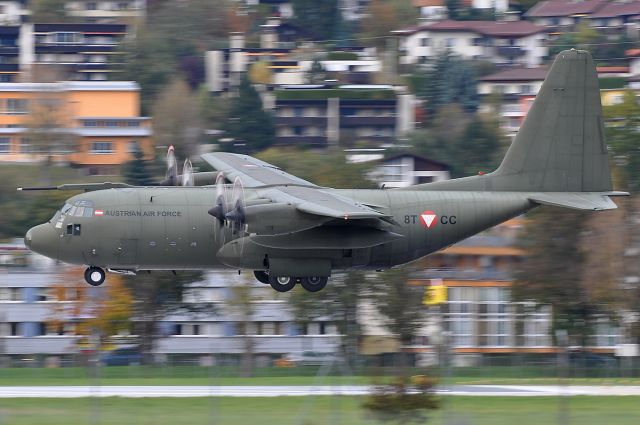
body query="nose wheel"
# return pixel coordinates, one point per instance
(94, 276)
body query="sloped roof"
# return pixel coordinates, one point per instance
(517, 74)
(488, 28)
(632, 53)
(553, 8)
(614, 8)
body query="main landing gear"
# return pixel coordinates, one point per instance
(287, 283)
(94, 276)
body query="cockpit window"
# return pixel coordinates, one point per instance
(72, 211)
(79, 212)
(88, 212)
(65, 208)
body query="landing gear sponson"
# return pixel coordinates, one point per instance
(287, 283)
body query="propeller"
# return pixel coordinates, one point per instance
(171, 178)
(221, 207)
(187, 173)
(236, 216)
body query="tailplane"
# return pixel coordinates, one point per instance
(560, 146)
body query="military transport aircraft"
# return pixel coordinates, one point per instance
(288, 230)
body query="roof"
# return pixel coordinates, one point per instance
(564, 8)
(614, 8)
(71, 86)
(488, 28)
(428, 3)
(420, 158)
(517, 74)
(612, 69)
(632, 53)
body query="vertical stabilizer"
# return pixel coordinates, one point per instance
(560, 146)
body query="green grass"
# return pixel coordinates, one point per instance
(223, 375)
(308, 411)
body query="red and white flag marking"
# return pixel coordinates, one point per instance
(428, 219)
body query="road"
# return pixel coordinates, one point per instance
(276, 391)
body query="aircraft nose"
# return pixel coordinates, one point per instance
(43, 239)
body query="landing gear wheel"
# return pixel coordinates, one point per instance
(261, 276)
(282, 283)
(314, 283)
(94, 276)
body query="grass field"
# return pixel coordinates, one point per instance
(308, 411)
(195, 375)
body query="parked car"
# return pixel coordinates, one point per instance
(122, 357)
(589, 359)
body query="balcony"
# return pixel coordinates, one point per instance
(320, 141)
(510, 51)
(357, 121)
(9, 67)
(301, 121)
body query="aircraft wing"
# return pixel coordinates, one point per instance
(284, 188)
(252, 171)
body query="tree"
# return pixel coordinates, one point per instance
(260, 73)
(553, 271)
(450, 80)
(385, 16)
(104, 311)
(339, 303)
(155, 297)
(249, 124)
(177, 119)
(241, 307)
(316, 20)
(49, 11)
(623, 130)
(136, 172)
(399, 303)
(316, 74)
(329, 169)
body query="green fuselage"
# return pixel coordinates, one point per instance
(169, 228)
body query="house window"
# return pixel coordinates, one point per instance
(25, 145)
(102, 147)
(525, 88)
(91, 5)
(424, 41)
(451, 42)
(6, 78)
(17, 106)
(133, 146)
(67, 37)
(5, 145)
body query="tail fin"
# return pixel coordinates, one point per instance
(560, 146)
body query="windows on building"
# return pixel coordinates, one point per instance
(17, 106)
(102, 147)
(5, 145)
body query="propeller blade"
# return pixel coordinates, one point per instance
(219, 210)
(171, 177)
(187, 173)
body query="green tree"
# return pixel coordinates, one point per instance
(248, 123)
(454, 8)
(317, 20)
(49, 11)
(329, 169)
(316, 74)
(623, 131)
(553, 271)
(137, 172)
(384, 16)
(450, 80)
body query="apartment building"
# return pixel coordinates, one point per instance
(105, 12)
(509, 94)
(609, 17)
(363, 115)
(404, 170)
(13, 13)
(29, 305)
(501, 42)
(102, 119)
(9, 53)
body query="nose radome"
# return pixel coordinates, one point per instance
(43, 239)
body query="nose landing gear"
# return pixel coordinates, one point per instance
(94, 276)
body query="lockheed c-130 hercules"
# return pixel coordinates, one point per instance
(288, 230)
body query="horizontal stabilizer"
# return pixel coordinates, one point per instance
(596, 201)
(336, 237)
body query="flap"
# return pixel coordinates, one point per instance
(577, 200)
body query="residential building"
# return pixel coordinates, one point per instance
(9, 53)
(509, 94)
(320, 116)
(403, 170)
(29, 304)
(102, 118)
(562, 16)
(107, 12)
(13, 13)
(502, 42)
(432, 10)
(609, 17)
(70, 51)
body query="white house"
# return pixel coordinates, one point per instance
(502, 42)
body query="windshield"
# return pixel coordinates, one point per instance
(78, 208)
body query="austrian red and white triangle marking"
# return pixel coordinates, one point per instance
(428, 219)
